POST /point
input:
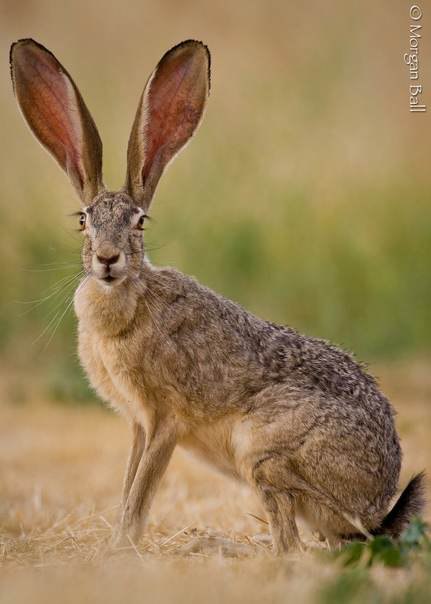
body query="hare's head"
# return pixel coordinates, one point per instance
(169, 111)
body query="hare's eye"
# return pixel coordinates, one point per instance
(140, 223)
(81, 221)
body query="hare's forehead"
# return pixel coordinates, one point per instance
(109, 208)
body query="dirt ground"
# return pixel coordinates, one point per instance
(60, 480)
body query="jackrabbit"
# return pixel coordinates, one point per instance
(294, 417)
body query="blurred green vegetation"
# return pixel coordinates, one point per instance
(358, 580)
(305, 196)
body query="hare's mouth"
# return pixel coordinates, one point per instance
(111, 280)
(109, 265)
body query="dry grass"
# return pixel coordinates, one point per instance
(206, 539)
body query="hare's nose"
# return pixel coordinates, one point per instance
(107, 260)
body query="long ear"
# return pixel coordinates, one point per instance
(169, 112)
(56, 113)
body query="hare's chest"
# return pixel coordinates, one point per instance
(110, 374)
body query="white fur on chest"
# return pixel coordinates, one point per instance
(108, 374)
(137, 405)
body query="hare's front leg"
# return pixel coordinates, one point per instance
(274, 486)
(159, 445)
(138, 446)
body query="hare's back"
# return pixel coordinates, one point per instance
(232, 355)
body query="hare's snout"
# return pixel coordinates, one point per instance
(109, 263)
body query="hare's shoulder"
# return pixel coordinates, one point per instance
(173, 293)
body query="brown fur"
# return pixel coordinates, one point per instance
(296, 418)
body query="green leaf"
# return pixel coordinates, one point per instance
(352, 552)
(383, 549)
(414, 534)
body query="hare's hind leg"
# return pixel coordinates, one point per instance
(279, 504)
(280, 508)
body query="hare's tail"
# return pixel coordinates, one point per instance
(410, 503)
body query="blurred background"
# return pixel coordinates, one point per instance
(305, 195)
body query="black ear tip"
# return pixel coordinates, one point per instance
(192, 43)
(23, 42)
(14, 47)
(197, 44)
(26, 42)
(31, 45)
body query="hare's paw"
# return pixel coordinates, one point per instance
(125, 538)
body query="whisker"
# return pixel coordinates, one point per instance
(151, 298)
(147, 248)
(54, 268)
(57, 263)
(54, 313)
(56, 310)
(152, 248)
(58, 317)
(45, 329)
(57, 288)
(58, 323)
